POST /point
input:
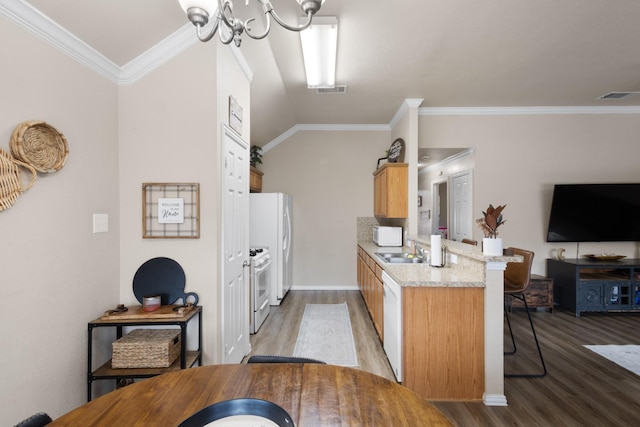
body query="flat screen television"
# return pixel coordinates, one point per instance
(595, 213)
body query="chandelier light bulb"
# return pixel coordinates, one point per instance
(201, 12)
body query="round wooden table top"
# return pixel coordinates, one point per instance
(312, 394)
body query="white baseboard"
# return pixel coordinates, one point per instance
(494, 399)
(325, 288)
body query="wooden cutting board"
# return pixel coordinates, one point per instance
(136, 312)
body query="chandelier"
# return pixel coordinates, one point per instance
(200, 12)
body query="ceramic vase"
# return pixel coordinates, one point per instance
(491, 247)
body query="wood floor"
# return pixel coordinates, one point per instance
(581, 388)
(279, 332)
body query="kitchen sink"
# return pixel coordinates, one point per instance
(400, 258)
(395, 254)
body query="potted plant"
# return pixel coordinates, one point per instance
(489, 223)
(255, 156)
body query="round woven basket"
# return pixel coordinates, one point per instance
(10, 179)
(39, 145)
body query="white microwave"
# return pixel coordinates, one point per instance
(387, 236)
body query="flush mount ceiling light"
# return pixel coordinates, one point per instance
(200, 11)
(319, 51)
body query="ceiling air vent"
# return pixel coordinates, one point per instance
(617, 95)
(335, 89)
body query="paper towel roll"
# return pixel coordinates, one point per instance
(436, 253)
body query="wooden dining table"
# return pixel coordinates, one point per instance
(312, 394)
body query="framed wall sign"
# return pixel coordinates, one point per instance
(235, 115)
(170, 210)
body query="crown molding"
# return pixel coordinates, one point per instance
(505, 111)
(453, 111)
(404, 107)
(458, 156)
(29, 18)
(323, 127)
(158, 54)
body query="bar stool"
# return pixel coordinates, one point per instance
(517, 277)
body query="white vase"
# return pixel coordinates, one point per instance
(492, 247)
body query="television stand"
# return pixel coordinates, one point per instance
(584, 285)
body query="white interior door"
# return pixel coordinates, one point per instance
(235, 247)
(461, 202)
(440, 221)
(286, 246)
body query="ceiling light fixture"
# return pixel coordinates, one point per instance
(200, 11)
(319, 51)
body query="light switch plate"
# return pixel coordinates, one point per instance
(100, 223)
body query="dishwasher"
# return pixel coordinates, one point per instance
(393, 324)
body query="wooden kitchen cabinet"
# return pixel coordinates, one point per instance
(390, 191)
(255, 180)
(443, 342)
(372, 289)
(442, 330)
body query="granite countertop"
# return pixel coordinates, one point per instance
(423, 275)
(468, 272)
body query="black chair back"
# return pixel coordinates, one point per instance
(282, 359)
(40, 419)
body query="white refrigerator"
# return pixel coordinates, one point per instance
(271, 226)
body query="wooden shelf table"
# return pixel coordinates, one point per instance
(135, 316)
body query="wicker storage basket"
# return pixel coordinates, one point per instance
(40, 145)
(146, 348)
(10, 179)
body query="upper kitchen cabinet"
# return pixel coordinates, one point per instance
(255, 180)
(390, 190)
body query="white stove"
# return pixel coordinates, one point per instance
(260, 285)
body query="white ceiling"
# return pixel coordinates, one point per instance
(451, 53)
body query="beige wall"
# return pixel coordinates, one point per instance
(56, 274)
(330, 177)
(165, 136)
(518, 159)
(169, 132)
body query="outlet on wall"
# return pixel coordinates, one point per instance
(100, 223)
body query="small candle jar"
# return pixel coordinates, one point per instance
(151, 303)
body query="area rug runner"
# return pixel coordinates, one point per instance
(325, 334)
(627, 356)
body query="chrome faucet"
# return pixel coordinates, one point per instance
(421, 251)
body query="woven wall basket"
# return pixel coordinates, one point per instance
(10, 179)
(39, 145)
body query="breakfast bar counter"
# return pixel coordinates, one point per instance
(468, 275)
(452, 327)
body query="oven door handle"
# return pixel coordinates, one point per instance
(262, 267)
